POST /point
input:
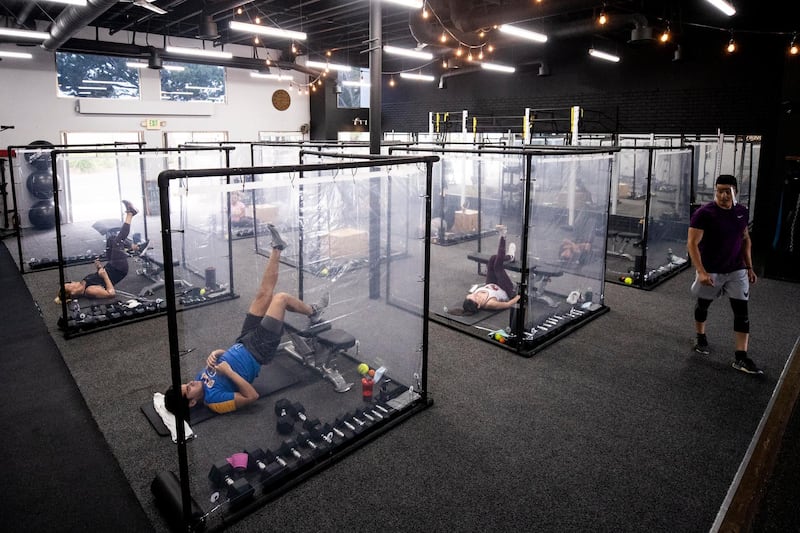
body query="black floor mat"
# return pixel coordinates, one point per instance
(272, 378)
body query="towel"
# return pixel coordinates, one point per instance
(169, 419)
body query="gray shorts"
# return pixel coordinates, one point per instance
(735, 284)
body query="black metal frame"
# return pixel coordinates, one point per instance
(190, 521)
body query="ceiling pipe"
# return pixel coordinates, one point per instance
(73, 19)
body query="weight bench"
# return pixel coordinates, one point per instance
(620, 241)
(317, 346)
(483, 259)
(151, 269)
(542, 274)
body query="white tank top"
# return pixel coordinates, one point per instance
(494, 292)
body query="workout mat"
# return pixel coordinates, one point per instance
(469, 320)
(272, 378)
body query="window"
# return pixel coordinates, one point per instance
(93, 76)
(353, 89)
(186, 82)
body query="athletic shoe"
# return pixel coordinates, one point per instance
(277, 242)
(129, 208)
(319, 308)
(702, 347)
(746, 365)
(512, 252)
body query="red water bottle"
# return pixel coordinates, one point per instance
(366, 388)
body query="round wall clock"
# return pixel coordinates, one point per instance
(281, 100)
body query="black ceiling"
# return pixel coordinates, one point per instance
(342, 26)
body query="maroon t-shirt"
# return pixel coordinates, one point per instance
(723, 231)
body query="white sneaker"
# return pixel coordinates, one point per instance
(512, 251)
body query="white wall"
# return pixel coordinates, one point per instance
(29, 102)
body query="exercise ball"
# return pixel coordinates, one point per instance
(39, 159)
(40, 185)
(43, 214)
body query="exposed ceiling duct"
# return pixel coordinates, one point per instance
(73, 19)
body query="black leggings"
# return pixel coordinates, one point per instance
(496, 270)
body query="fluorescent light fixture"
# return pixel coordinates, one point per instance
(416, 54)
(200, 52)
(418, 77)
(603, 55)
(85, 88)
(174, 68)
(413, 4)
(81, 3)
(17, 55)
(267, 30)
(184, 93)
(723, 6)
(525, 34)
(201, 88)
(135, 64)
(328, 66)
(279, 77)
(498, 68)
(354, 83)
(24, 34)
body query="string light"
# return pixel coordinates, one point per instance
(793, 48)
(258, 20)
(666, 35)
(391, 81)
(731, 48)
(603, 18)
(443, 38)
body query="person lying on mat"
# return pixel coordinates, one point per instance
(494, 294)
(100, 284)
(225, 384)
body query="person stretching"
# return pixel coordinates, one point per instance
(226, 382)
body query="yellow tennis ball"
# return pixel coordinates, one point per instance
(363, 368)
(202, 292)
(628, 280)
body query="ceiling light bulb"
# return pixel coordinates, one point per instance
(469, 56)
(602, 19)
(793, 49)
(490, 48)
(443, 38)
(424, 14)
(255, 40)
(391, 82)
(444, 63)
(459, 52)
(481, 34)
(328, 53)
(480, 55)
(258, 20)
(239, 11)
(731, 46)
(665, 36)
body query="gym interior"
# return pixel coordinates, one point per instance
(584, 407)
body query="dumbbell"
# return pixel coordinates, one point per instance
(271, 467)
(221, 476)
(343, 424)
(289, 448)
(328, 434)
(305, 439)
(285, 423)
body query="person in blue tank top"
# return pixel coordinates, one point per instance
(720, 249)
(225, 384)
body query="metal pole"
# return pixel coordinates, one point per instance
(375, 74)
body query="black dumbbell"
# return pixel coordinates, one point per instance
(327, 434)
(222, 476)
(305, 439)
(270, 467)
(343, 424)
(285, 423)
(289, 448)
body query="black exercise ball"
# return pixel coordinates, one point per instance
(40, 185)
(39, 159)
(43, 214)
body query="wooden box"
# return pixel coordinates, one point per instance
(267, 213)
(347, 243)
(466, 221)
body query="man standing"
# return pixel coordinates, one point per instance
(719, 247)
